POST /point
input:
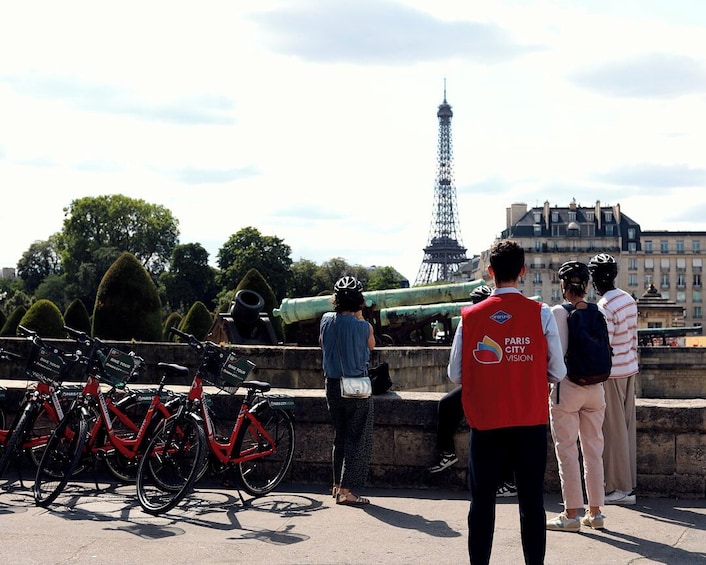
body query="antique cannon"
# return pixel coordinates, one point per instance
(307, 312)
(245, 322)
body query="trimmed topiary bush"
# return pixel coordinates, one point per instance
(127, 303)
(173, 321)
(13, 320)
(198, 321)
(76, 316)
(3, 319)
(45, 318)
(254, 281)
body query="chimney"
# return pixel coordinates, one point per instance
(597, 212)
(515, 213)
(546, 214)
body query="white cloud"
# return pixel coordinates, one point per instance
(316, 121)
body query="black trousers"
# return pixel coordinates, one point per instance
(524, 450)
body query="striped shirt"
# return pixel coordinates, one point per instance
(620, 310)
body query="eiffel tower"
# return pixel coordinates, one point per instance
(444, 252)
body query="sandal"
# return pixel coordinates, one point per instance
(351, 499)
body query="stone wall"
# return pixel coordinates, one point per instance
(671, 441)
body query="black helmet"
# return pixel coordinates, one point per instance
(480, 293)
(349, 284)
(573, 272)
(603, 268)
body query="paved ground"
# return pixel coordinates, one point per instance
(300, 524)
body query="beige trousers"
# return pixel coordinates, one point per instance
(577, 416)
(620, 432)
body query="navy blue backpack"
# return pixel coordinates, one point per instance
(589, 356)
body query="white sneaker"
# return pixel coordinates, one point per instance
(563, 523)
(620, 497)
(596, 522)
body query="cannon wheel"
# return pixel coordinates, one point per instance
(385, 340)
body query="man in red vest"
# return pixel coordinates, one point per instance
(505, 352)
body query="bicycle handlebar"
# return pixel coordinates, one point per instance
(6, 355)
(190, 339)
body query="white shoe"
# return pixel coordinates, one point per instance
(620, 497)
(596, 522)
(563, 523)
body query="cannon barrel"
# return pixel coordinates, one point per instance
(412, 314)
(297, 309)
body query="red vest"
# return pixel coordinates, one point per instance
(504, 363)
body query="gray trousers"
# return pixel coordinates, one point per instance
(352, 420)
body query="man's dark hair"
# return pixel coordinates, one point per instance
(507, 258)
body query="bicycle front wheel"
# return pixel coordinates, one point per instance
(13, 444)
(61, 457)
(265, 462)
(169, 467)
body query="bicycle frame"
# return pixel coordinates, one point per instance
(43, 395)
(92, 395)
(223, 452)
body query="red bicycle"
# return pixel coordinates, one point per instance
(44, 402)
(260, 446)
(96, 428)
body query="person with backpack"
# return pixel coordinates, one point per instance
(577, 404)
(619, 426)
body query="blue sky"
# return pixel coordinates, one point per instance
(315, 121)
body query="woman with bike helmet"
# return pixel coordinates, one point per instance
(346, 340)
(576, 412)
(619, 426)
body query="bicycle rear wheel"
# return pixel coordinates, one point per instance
(42, 427)
(262, 474)
(169, 468)
(61, 457)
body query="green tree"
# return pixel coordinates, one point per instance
(305, 279)
(76, 316)
(198, 321)
(383, 278)
(249, 249)
(13, 320)
(333, 269)
(53, 288)
(97, 230)
(38, 262)
(189, 279)
(127, 304)
(173, 321)
(44, 317)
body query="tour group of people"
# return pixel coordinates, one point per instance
(508, 356)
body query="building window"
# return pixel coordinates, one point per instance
(680, 246)
(590, 216)
(632, 264)
(664, 264)
(631, 233)
(649, 264)
(697, 312)
(696, 296)
(609, 216)
(537, 245)
(649, 279)
(537, 230)
(664, 246)
(681, 280)
(632, 247)
(696, 265)
(609, 230)
(665, 280)
(537, 218)
(572, 216)
(632, 279)
(696, 246)
(697, 280)
(556, 294)
(681, 296)
(537, 278)
(681, 265)
(648, 246)
(555, 217)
